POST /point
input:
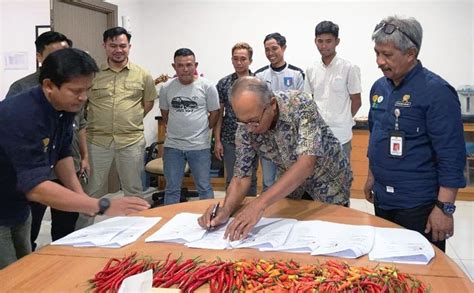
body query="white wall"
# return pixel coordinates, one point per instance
(17, 26)
(211, 28)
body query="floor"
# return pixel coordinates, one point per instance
(460, 247)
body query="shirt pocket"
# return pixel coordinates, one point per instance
(101, 90)
(339, 84)
(134, 89)
(412, 122)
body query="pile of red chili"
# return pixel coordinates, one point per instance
(256, 276)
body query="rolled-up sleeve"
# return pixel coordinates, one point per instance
(446, 132)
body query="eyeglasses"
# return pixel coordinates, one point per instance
(252, 124)
(389, 28)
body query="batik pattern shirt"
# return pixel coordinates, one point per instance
(299, 130)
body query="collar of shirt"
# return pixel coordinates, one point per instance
(279, 69)
(105, 66)
(45, 104)
(331, 64)
(414, 71)
(284, 115)
(234, 76)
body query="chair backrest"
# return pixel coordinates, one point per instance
(161, 134)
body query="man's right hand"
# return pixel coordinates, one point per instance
(222, 217)
(218, 150)
(126, 205)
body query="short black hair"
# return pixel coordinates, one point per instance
(281, 40)
(327, 27)
(63, 65)
(183, 52)
(111, 33)
(50, 37)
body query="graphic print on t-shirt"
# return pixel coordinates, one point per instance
(184, 104)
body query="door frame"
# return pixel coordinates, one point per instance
(109, 9)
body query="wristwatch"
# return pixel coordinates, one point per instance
(104, 205)
(447, 207)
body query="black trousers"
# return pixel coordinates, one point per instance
(62, 223)
(413, 219)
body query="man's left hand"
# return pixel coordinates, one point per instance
(85, 166)
(244, 222)
(440, 225)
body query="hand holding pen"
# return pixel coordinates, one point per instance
(213, 215)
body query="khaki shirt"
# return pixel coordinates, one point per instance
(115, 108)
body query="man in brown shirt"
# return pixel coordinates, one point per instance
(121, 96)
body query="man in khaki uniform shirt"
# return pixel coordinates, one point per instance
(121, 96)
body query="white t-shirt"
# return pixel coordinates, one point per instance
(289, 78)
(188, 105)
(331, 86)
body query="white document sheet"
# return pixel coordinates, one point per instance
(401, 246)
(181, 228)
(267, 233)
(112, 233)
(214, 239)
(340, 240)
(303, 238)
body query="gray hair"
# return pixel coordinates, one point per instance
(408, 33)
(254, 85)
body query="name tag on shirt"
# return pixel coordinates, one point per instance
(397, 144)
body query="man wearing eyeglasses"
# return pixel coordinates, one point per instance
(285, 128)
(416, 146)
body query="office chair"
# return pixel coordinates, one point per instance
(154, 166)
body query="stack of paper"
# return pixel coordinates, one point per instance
(113, 233)
(326, 238)
(401, 246)
(349, 241)
(303, 238)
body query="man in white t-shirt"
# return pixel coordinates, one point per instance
(334, 84)
(279, 76)
(190, 108)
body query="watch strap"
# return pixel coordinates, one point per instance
(446, 207)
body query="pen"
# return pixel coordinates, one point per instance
(213, 214)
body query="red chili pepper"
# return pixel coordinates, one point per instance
(194, 286)
(175, 279)
(230, 279)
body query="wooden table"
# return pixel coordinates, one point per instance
(66, 269)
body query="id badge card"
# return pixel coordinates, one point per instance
(397, 144)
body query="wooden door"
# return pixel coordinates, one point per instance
(84, 21)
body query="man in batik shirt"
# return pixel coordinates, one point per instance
(287, 129)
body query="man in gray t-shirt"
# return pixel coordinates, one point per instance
(190, 108)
